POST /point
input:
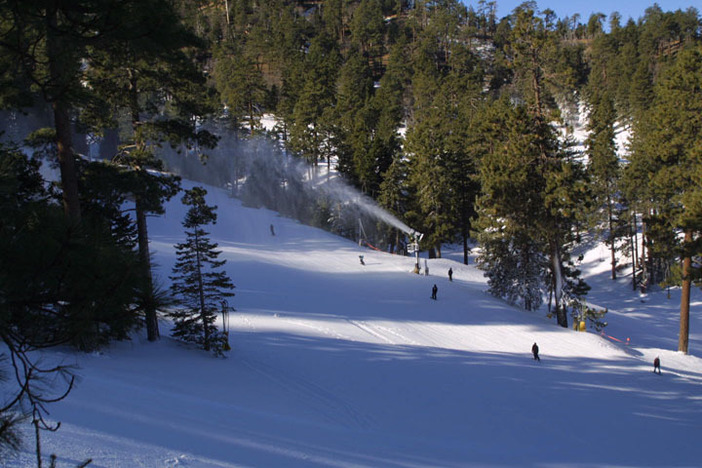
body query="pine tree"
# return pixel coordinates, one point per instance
(428, 177)
(63, 284)
(317, 93)
(199, 285)
(54, 42)
(556, 189)
(160, 88)
(368, 29)
(604, 167)
(665, 152)
(512, 255)
(446, 79)
(44, 38)
(354, 122)
(532, 197)
(240, 84)
(393, 193)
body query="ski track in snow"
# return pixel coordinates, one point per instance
(373, 331)
(320, 400)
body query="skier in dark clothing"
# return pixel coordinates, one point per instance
(657, 365)
(535, 351)
(450, 273)
(434, 290)
(272, 231)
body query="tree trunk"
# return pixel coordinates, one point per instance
(685, 296)
(67, 163)
(612, 238)
(557, 272)
(634, 252)
(465, 249)
(151, 317)
(636, 243)
(644, 257)
(252, 123)
(201, 290)
(62, 121)
(37, 441)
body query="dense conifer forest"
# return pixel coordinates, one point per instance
(456, 121)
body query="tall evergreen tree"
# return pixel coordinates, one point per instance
(368, 27)
(446, 85)
(557, 181)
(240, 84)
(48, 38)
(666, 152)
(154, 80)
(54, 42)
(531, 200)
(603, 165)
(317, 93)
(355, 122)
(510, 200)
(61, 284)
(199, 284)
(428, 177)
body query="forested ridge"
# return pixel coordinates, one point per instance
(458, 122)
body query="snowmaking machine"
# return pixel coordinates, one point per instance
(413, 247)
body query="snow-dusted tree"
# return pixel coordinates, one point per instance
(199, 285)
(532, 195)
(514, 265)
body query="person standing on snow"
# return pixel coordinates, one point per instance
(450, 273)
(434, 290)
(535, 352)
(657, 365)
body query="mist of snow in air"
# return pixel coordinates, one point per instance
(262, 174)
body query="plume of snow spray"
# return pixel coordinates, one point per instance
(259, 172)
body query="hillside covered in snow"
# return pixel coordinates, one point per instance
(335, 363)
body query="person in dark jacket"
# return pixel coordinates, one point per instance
(657, 365)
(450, 273)
(434, 290)
(535, 352)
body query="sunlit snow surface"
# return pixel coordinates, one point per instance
(340, 364)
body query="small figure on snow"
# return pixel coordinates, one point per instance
(426, 268)
(657, 365)
(360, 257)
(434, 290)
(535, 352)
(272, 231)
(450, 273)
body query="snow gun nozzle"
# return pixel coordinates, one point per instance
(416, 236)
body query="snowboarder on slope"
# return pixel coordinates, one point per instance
(535, 352)
(272, 230)
(360, 257)
(434, 290)
(657, 365)
(450, 273)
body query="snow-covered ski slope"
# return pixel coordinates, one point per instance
(340, 364)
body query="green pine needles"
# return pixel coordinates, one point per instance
(200, 286)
